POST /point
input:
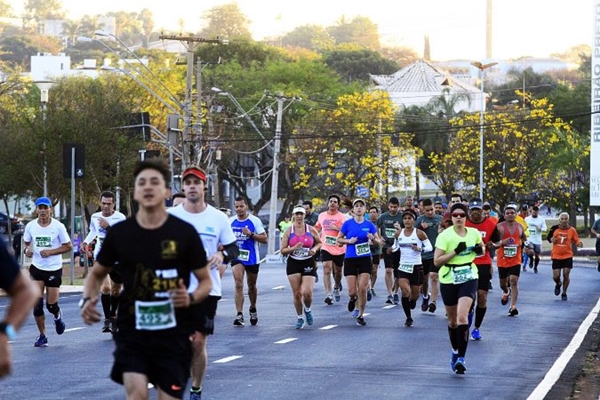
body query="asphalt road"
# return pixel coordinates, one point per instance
(334, 358)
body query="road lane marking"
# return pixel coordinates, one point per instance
(327, 327)
(226, 359)
(560, 364)
(388, 306)
(279, 287)
(75, 329)
(284, 341)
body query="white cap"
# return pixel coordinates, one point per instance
(299, 209)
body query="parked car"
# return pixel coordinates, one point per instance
(16, 223)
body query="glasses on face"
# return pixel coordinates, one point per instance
(459, 215)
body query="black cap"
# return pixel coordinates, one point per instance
(524, 207)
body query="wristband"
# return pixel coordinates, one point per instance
(8, 330)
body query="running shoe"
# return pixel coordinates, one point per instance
(329, 300)
(113, 325)
(531, 265)
(352, 303)
(475, 335)
(355, 313)
(453, 358)
(470, 317)
(390, 299)
(535, 270)
(396, 299)
(524, 267)
(557, 289)
(409, 321)
(299, 323)
(413, 304)
(432, 307)
(309, 317)
(253, 316)
(460, 367)
(369, 295)
(41, 341)
(564, 297)
(59, 325)
(504, 300)
(425, 304)
(106, 327)
(239, 320)
(360, 321)
(512, 312)
(336, 294)
(195, 395)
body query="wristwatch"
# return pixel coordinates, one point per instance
(83, 301)
(8, 330)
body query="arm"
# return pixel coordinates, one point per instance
(317, 241)
(426, 243)
(440, 257)
(90, 237)
(204, 286)
(64, 248)
(285, 246)
(91, 287)
(576, 239)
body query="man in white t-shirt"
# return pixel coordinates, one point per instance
(46, 239)
(536, 225)
(220, 245)
(100, 223)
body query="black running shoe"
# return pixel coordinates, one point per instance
(352, 304)
(512, 312)
(253, 317)
(408, 322)
(557, 289)
(360, 321)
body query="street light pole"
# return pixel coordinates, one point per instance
(275, 178)
(481, 67)
(44, 87)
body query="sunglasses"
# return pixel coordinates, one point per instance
(459, 215)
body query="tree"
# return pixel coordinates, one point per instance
(37, 11)
(16, 51)
(360, 30)
(241, 51)
(313, 37)
(147, 19)
(226, 21)
(538, 85)
(5, 9)
(356, 64)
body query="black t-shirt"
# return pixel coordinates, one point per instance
(151, 262)
(9, 269)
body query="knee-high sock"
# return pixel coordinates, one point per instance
(462, 337)
(452, 335)
(406, 306)
(105, 300)
(114, 304)
(479, 314)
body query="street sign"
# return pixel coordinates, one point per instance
(79, 160)
(362, 191)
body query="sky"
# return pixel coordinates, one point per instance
(456, 28)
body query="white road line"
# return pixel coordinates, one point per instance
(75, 329)
(284, 341)
(560, 364)
(278, 288)
(226, 359)
(388, 306)
(327, 327)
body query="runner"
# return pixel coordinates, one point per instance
(430, 223)
(412, 242)
(249, 232)
(46, 239)
(375, 255)
(536, 225)
(300, 243)
(456, 248)
(219, 242)
(388, 223)
(489, 236)
(155, 254)
(562, 237)
(356, 234)
(100, 223)
(332, 255)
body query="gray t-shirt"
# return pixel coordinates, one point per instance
(431, 230)
(385, 223)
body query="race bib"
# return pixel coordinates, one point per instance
(243, 255)
(154, 315)
(390, 233)
(510, 251)
(301, 252)
(532, 232)
(43, 241)
(462, 274)
(362, 249)
(330, 240)
(408, 268)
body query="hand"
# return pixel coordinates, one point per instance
(462, 246)
(352, 240)
(89, 313)
(103, 223)
(478, 250)
(580, 244)
(45, 253)
(28, 252)
(216, 260)
(179, 296)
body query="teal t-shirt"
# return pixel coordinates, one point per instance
(447, 241)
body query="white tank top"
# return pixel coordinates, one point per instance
(407, 254)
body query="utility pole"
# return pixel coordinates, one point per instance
(275, 177)
(190, 156)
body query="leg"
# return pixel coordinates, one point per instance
(238, 276)
(404, 286)
(296, 285)
(38, 311)
(327, 265)
(374, 275)
(136, 386)
(435, 285)
(363, 283)
(425, 286)
(337, 274)
(566, 279)
(351, 281)
(306, 290)
(199, 358)
(389, 280)
(514, 290)
(556, 279)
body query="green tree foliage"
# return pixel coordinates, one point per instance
(147, 19)
(356, 64)
(360, 30)
(16, 51)
(313, 37)
(226, 21)
(5, 9)
(539, 85)
(37, 11)
(240, 51)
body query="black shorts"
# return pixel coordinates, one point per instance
(302, 267)
(50, 278)
(504, 272)
(165, 360)
(451, 293)
(115, 276)
(598, 247)
(560, 264)
(203, 315)
(485, 274)
(415, 278)
(391, 260)
(357, 265)
(429, 266)
(253, 269)
(375, 259)
(337, 260)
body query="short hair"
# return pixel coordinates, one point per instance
(178, 195)
(535, 208)
(456, 195)
(394, 200)
(373, 208)
(240, 198)
(335, 196)
(156, 164)
(427, 202)
(108, 194)
(487, 207)
(307, 203)
(440, 203)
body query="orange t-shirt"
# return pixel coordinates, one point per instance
(561, 249)
(329, 236)
(509, 255)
